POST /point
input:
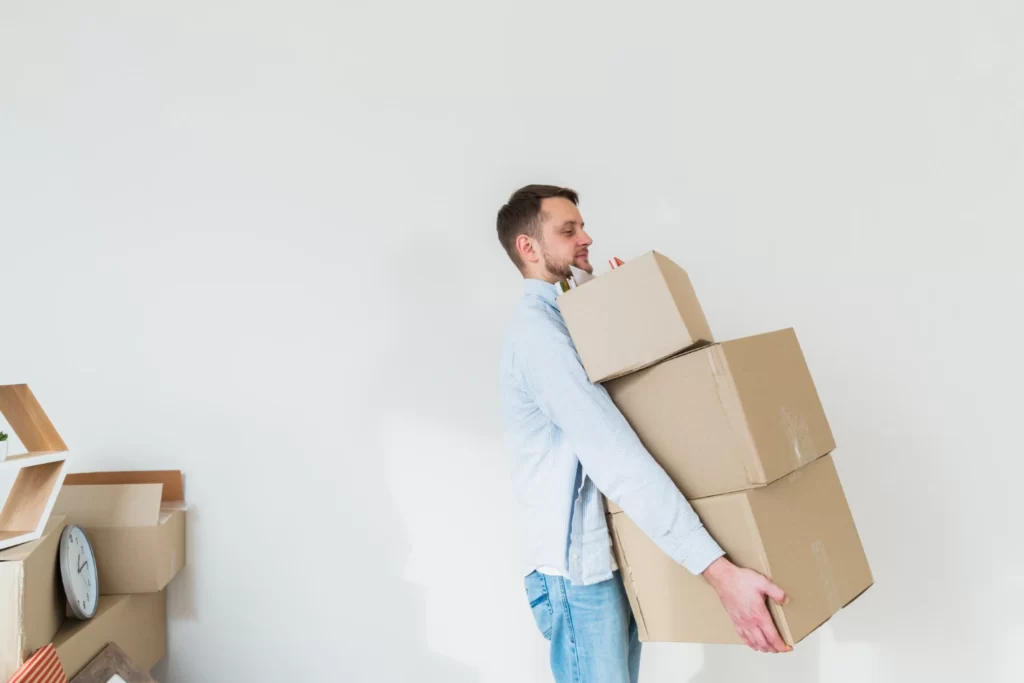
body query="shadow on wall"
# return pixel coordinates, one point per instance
(336, 606)
(301, 575)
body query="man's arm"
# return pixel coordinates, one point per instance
(622, 469)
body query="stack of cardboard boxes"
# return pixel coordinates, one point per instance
(135, 522)
(739, 428)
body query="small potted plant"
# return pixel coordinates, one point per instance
(3, 446)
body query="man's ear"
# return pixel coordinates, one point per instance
(524, 246)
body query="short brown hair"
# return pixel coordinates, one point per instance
(521, 215)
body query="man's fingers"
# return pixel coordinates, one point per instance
(771, 634)
(774, 592)
(771, 646)
(760, 643)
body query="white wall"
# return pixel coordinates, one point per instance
(255, 241)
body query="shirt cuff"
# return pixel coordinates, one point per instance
(698, 551)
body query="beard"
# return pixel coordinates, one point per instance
(556, 267)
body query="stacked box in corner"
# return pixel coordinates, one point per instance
(31, 599)
(136, 623)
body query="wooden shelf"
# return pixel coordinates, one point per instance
(39, 473)
(18, 462)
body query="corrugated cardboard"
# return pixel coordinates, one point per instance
(135, 522)
(641, 312)
(728, 416)
(798, 531)
(136, 623)
(31, 597)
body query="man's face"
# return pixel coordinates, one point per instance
(563, 240)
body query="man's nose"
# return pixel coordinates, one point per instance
(586, 239)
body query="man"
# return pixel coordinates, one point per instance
(569, 443)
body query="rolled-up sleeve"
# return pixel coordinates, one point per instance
(610, 451)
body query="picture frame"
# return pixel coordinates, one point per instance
(112, 665)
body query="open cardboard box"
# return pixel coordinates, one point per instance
(31, 597)
(135, 522)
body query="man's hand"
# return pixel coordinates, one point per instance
(743, 592)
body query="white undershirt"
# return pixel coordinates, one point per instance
(555, 571)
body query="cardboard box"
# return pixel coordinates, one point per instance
(634, 316)
(31, 597)
(136, 623)
(729, 416)
(798, 531)
(135, 522)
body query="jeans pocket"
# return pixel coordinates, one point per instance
(540, 602)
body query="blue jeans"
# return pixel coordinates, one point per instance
(591, 628)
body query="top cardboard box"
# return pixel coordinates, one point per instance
(634, 316)
(135, 522)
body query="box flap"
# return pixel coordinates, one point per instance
(174, 489)
(110, 504)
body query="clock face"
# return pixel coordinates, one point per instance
(78, 570)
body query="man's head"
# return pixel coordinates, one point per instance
(542, 232)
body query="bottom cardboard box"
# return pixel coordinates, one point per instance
(136, 623)
(798, 531)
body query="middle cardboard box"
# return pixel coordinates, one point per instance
(727, 416)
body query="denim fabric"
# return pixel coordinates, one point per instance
(591, 629)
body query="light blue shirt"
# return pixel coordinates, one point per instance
(568, 443)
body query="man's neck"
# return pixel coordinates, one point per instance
(544, 277)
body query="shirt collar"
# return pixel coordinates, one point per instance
(545, 290)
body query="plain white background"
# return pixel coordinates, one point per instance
(255, 241)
